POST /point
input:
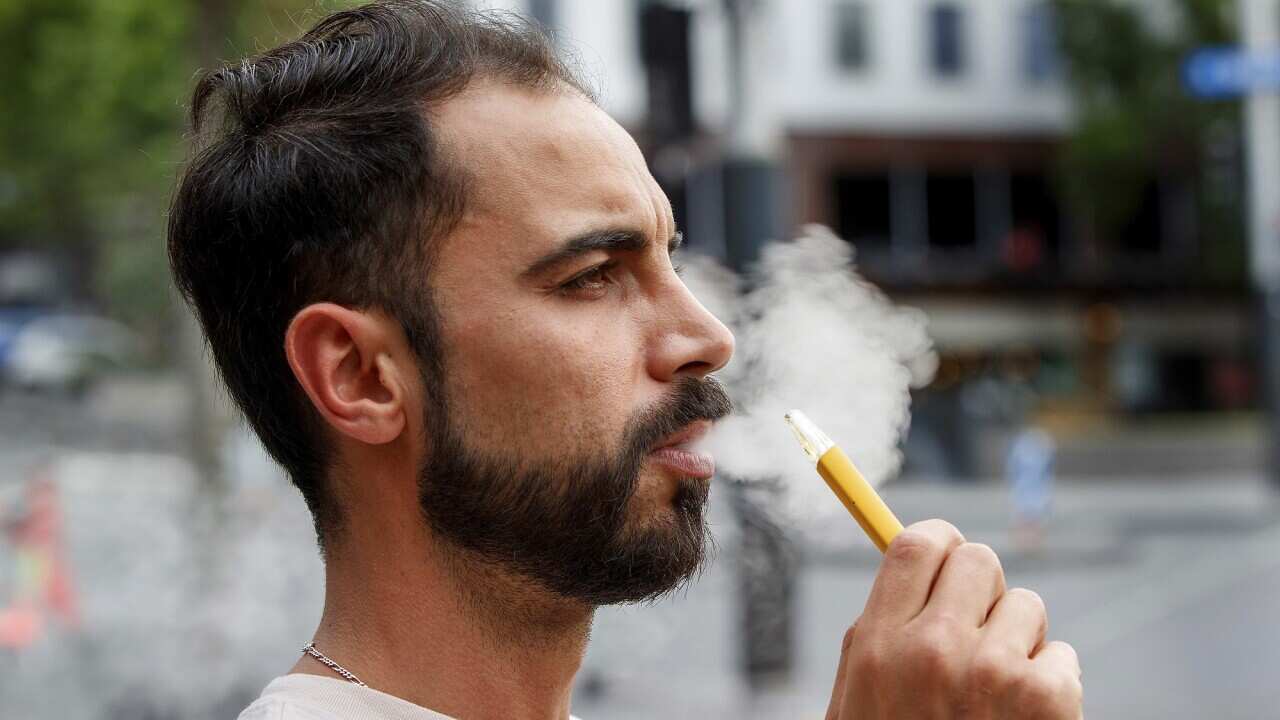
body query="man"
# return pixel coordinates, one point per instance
(438, 281)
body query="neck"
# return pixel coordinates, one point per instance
(461, 638)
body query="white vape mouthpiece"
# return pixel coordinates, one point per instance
(814, 442)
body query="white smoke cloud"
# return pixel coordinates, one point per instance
(814, 336)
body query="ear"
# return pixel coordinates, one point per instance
(345, 362)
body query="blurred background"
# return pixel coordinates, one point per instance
(1082, 196)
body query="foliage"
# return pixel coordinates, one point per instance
(90, 95)
(1134, 120)
(91, 136)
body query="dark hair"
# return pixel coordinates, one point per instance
(317, 177)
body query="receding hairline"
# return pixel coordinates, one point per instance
(448, 141)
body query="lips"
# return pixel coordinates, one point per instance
(676, 452)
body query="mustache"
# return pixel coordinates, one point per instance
(693, 399)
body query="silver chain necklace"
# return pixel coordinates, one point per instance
(310, 649)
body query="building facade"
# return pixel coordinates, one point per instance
(928, 134)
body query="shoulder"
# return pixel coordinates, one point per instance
(293, 697)
(283, 706)
(275, 707)
(311, 697)
(301, 696)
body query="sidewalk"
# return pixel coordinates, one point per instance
(1168, 593)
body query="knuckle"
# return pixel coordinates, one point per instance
(979, 553)
(1071, 653)
(1037, 612)
(868, 662)
(911, 545)
(1066, 651)
(991, 671)
(930, 659)
(942, 627)
(1044, 691)
(938, 528)
(932, 648)
(1031, 597)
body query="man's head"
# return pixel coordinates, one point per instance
(414, 235)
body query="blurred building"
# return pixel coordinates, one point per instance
(927, 132)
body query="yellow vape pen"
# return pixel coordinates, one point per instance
(859, 498)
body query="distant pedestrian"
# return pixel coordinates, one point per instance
(1029, 469)
(43, 586)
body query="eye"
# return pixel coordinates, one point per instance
(591, 282)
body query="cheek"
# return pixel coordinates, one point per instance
(544, 387)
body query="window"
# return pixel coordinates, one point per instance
(951, 201)
(863, 208)
(946, 34)
(1040, 60)
(851, 35)
(1034, 207)
(1142, 232)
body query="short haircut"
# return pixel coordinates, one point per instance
(317, 176)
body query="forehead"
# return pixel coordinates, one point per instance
(546, 165)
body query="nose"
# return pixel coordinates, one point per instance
(692, 341)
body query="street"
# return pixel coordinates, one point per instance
(1169, 592)
(1168, 588)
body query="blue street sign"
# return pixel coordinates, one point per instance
(1220, 72)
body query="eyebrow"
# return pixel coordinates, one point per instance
(607, 240)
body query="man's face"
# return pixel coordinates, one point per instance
(571, 352)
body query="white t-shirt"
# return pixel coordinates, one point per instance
(300, 696)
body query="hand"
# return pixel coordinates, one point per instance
(940, 637)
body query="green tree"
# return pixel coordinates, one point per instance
(89, 91)
(91, 133)
(1136, 122)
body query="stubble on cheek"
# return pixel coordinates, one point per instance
(541, 388)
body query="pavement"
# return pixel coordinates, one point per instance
(1168, 587)
(1168, 592)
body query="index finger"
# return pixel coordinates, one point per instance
(911, 564)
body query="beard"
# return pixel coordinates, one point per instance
(565, 524)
